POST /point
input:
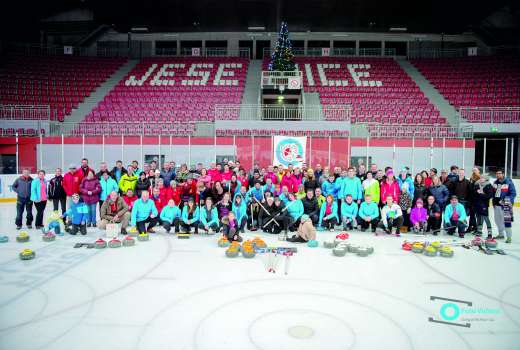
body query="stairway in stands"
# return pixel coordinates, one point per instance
(89, 103)
(252, 89)
(430, 92)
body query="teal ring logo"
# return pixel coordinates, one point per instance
(450, 306)
(289, 151)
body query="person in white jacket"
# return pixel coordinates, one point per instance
(391, 216)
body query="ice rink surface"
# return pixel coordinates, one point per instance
(185, 294)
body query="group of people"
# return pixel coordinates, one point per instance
(227, 197)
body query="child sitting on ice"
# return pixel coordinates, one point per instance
(419, 217)
(230, 227)
(78, 211)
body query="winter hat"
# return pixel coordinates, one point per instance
(390, 172)
(72, 166)
(419, 201)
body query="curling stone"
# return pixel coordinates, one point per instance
(430, 251)
(491, 243)
(128, 241)
(446, 252)
(223, 243)
(4, 239)
(417, 248)
(248, 254)
(338, 241)
(259, 243)
(231, 253)
(407, 246)
(23, 237)
(344, 246)
(329, 244)
(114, 243)
(353, 249)
(143, 237)
(27, 254)
(132, 232)
(49, 237)
(477, 241)
(100, 244)
(312, 243)
(363, 251)
(183, 235)
(370, 250)
(339, 252)
(437, 245)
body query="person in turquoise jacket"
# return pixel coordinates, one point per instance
(295, 211)
(240, 210)
(328, 214)
(79, 215)
(329, 187)
(209, 216)
(368, 214)
(144, 212)
(351, 185)
(39, 197)
(108, 185)
(170, 216)
(190, 217)
(404, 178)
(349, 211)
(455, 217)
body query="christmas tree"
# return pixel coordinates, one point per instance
(282, 57)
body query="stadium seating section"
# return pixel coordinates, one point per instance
(475, 81)
(58, 81)
(165, 90)
(378, 89)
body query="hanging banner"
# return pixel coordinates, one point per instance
(289, 150)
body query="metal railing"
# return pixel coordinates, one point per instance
(25, 112)
(490, 114)
(217, 52)
(336, 52)
(283, 112)
(282, 80)
(420, 131)
(437, 53)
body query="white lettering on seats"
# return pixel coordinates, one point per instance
(132, 81)
(193, 72)
(163, 72)
(356, 75)
(323, 77)
(221, 72)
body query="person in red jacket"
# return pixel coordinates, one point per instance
(83, 170)
(166, 193)
(390, 187)
(159, 201)
(71, 183)
(129, 199)
(189, 189)
(214, 173)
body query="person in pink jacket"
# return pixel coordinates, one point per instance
(390, 187)
(297, 177)
(90, 189)
(419, 216)
(214, 173)
(271, 175)
(289, 181)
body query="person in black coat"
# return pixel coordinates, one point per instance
(482, 192)
(57, 193)
(143, 184)
(434, 215)
(310, 207)
(420, 189)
